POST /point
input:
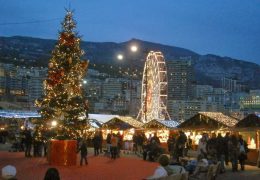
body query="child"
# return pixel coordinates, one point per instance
(83, 152)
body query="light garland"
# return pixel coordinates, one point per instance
(128, 120)
(221, 118)
(161, 124)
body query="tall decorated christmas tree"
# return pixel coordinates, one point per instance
(63, 99)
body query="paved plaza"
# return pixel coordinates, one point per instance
(127, 167)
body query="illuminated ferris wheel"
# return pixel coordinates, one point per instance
(154, 89)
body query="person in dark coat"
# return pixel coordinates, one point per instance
(28, 142)
(212, 148)
(226, 150)
(180, 145)
(221, 151)
(52, 174)
(243, 150)
(135, 141)
(83, 152)
(233, 147)
(155, 139)
(171, 143)
(101, 142)
(108, 141)
(96, 142)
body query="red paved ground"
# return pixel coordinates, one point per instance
(99, 168)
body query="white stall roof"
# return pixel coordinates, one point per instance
(102, 118)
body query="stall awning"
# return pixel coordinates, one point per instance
(161, 124)
(208, 120)
(122, 123)
(250, 121)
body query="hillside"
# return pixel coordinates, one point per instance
(208, 68)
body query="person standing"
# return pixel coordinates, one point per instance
(101, 142)
(108, 141)
(156, 139)
(96, 142)
(114, 145)
(28, 142)
(202, 146)
(171, 144)
(119, 143)
(221, 152)
(135, 141)
(233, 146)
(243, 150)
(140, 142)
(226, 150)
(212, 148)
(83, 152)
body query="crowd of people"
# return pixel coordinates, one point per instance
(224, 149)
(215, 150)
(212, 149)
(29, 143)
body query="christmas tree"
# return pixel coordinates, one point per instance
(63, 99)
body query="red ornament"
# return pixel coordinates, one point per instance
(67, 39)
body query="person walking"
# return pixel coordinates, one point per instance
(83, 152)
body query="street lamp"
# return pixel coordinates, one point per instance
(120, 57)
(134, 48)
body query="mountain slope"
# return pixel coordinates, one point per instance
(209, 69)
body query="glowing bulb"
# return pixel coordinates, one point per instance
(134, 48)
(120, 57)
(54, 123)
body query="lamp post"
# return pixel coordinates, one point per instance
(120, 57)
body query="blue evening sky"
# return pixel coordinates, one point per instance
(222, 27)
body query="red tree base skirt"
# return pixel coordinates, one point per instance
(62, 152)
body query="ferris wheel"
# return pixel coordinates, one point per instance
(154, 89)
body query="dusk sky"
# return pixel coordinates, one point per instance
(222, 27)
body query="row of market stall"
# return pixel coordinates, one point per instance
(202, 122)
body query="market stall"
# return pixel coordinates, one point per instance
(249, 128)
(208, 122)
(125, 126)
(162, 128)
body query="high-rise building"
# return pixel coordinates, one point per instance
(181, 110)
(180, 79)
(21, 86)
(111, 88)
